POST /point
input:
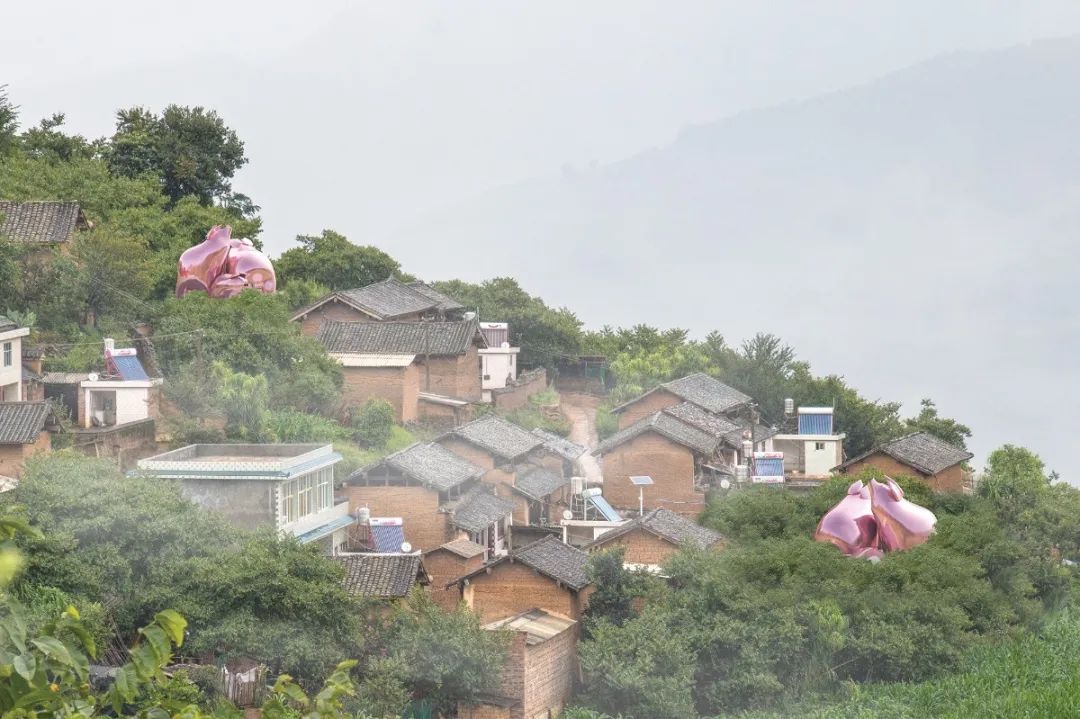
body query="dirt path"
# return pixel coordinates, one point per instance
(580, 409)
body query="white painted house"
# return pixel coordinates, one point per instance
(11, 370)
(498, 361)
(125, 394)
(812, 452)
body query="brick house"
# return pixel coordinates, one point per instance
(398, 361)
(383, 301)
(45, 225)
(730, 431)
(568, 451)
(921, 455)
(540, 496)
(673, 453)
(24, 432)
(700, 389)
(446, 563)
(651, 539)
(417, 484)
(540, 670)
(546, 574)
(387, 577)
(484, 517)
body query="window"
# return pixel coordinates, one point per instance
(7, 354)
(819, 446)
(306, 495)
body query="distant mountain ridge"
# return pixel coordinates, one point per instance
(916, 233)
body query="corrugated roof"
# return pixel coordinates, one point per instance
(538, 482)
(23, 422)
(538, 625)
(465, 548)
(921, 451)
(667, 525)
(665, 425)
(380, 575)
(479, 509)
(559, 445)
(701, 389)
(498, 436)
(430, 464)
(418, 338)
(40, 223)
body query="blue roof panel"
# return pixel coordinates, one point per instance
(604, 508)
(769, 467)
(129, 368)
(815, 424)
(388, 538)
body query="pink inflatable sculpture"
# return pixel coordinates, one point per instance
(875, 519)
(223, 267)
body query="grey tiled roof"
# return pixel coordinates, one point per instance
(714, 424)
(760, 432)
(702, 390)
(498, 436)
(442, 302)
(921, 451)
(559, 445)
(436, 338)
(664, 424)
(389, 299)
(479, 508)
(40, 222)
(561, 562)
(380, 575)
(23, 422)
(667, 525)
(465, 548)
(7, 325)
(538, 482)
(64, 377)
(432, 465)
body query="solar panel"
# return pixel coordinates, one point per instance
(129, 368)
(388, 538)
(604, 508)
(640, 480)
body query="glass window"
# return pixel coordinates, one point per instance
(7, 354)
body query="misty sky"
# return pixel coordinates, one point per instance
(364, 117)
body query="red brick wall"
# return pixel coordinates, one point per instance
(333, 311)
(483, 711)
(397, 385)
(517, 395)
(550, 670)
(641, 547)
(445, 566)
(949, 480)
(13, 456)
(658, 400)
(670, 465)
(511, 588)
(454, 376)
(425, 526)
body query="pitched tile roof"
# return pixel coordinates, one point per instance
(561, 562)
(7, 324)
(389, 299)
(436, 338)
(479, 508)
(759, 431)
(498, 436)
(559, 445)
(667, 525)
(430, 464)
(714, 424)
(443, 302)
(23, 422)
(665, 425)
(64, 377)
(43, 223)
(538, 482)
(702, 390)
(380, 575)
(921, 451)
(465, 548)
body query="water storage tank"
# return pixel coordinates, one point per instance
(363, 515)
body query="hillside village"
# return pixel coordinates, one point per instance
(422, 447)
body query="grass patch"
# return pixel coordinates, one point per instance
(531, 416)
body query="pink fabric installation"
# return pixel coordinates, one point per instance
(223, 267)
(875, 519)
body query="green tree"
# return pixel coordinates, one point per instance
(331, 260)
(614, 588)
(9, 123)
(928, 420)
(48, 142)
(373, 423)
(1013, 471)
(114, 272)
(189, 149)
(244, 401)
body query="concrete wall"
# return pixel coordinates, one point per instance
(498, 364)
(670, 465)
(397, 385)
(12, 373)
(511, 588)
(953, 479)
(425, 526)
(13, 456)
(248, 504)
(648, 404)
(132, 403)
(517, 393)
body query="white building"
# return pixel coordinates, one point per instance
(812, 452)
(498, 361)
(126, 394)
(11, 370)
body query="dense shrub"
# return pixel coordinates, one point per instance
(373, 423)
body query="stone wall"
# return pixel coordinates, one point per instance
(516, 394)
